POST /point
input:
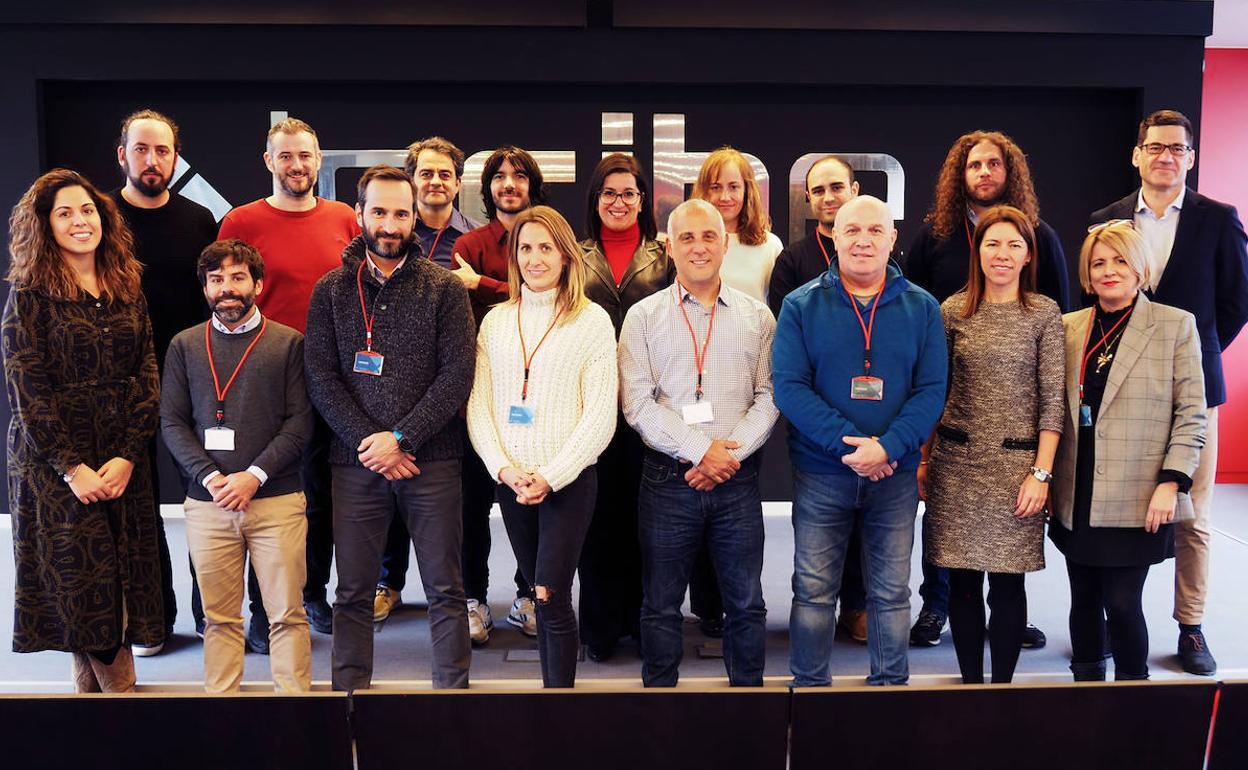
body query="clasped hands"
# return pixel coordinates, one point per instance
(380, 453)
(530, 488)
(716, 466)
(107, 483)
(868, 460)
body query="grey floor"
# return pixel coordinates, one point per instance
(402, 643)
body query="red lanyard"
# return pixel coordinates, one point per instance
(1083, 367)
(819, 240)
(434, 248)
(970, 242)
(368, 317)
(524, 354)
(700, 358)
(216, 383)
(867, 328)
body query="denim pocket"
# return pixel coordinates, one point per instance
(654, 473)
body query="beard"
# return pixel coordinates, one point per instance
(149, 189)
(997, 197)
(233, 313)
(297, 187)
(372, 239)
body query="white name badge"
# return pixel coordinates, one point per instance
(219, 439)
(698, 413)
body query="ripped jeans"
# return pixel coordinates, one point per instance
(547, 540)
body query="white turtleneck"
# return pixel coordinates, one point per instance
(573, 389)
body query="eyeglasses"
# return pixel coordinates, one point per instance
(630, 197)
(1157, 148)
(1111, 223)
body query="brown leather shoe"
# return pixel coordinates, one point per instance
(854, 622)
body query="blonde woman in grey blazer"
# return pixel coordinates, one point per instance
(1134, 426)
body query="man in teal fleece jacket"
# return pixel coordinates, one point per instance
(859, 367)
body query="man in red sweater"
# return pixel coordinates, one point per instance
(510, 183)
(301, 238)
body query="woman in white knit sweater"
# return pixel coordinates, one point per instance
(542, 409)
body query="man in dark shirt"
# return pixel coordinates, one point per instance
(436, 167)
(169, 233)
(983, 169)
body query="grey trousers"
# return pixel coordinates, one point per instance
(364, 504)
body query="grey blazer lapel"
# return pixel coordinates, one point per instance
(1134, 340)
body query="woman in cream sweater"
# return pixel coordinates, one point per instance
(542, 409)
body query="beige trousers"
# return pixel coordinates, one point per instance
(1191, 538)
(91, 675)
(274, 531)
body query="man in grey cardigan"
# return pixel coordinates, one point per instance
(390, 358)
(235, 415)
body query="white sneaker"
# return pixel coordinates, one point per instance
(146, 651)
(480, 622)
(523, 616)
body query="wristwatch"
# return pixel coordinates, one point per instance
(405, 443)
(68, 476)
(1041, 475)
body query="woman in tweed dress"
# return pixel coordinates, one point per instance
(1134, 426)
(992, 453)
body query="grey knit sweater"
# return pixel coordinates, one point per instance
(423, 327)
(267, 406)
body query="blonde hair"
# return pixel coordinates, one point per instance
(1122, 238)
(753, 223)
(571, 298)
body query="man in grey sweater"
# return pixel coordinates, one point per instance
(235, 415)
(390, 358)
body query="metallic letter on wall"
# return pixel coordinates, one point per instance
(799, 210)
(674, 168)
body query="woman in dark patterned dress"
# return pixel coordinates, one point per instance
(81, 378)
(992, 453)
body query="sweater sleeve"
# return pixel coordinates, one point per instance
(177, 417)
(914, 422)
(143, 407)
(30, 393)
(322, 365)
(457, 354)
(597, 399)
(755, 426)
(482, 430)
(286, 447)
(1051, 374)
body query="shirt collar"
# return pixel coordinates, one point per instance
(722, 298)
(971, 215)
(250, 324)
(458, 222)
(1176, 204)
(376, 271)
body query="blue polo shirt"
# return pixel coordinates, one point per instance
(819, 348)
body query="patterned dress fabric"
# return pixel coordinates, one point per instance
(83, 388)
(1007, 383)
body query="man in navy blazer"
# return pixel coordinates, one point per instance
(1199, 264)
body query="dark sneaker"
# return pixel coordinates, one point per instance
(1033, 638)
(320, 615)
(1194, 652)
(928, 628)
(200, 625)
(712, 627)
(257, 638)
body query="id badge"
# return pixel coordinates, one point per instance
(1085, 416)
(866, 389)
(368, 362)
(219, 439)
(696, 414)
(520, 415)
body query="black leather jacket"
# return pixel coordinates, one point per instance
(650, 270)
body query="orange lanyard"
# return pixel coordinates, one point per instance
(867, 327)
(216, 382)
(700, 358)
(1087, 356)
(524, 354)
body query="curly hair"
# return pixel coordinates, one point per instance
(37, 262)
(950, 200)
(753, 223)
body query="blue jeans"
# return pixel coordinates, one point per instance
(825, 507)
(673, 522)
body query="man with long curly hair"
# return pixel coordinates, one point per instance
(981, 170)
